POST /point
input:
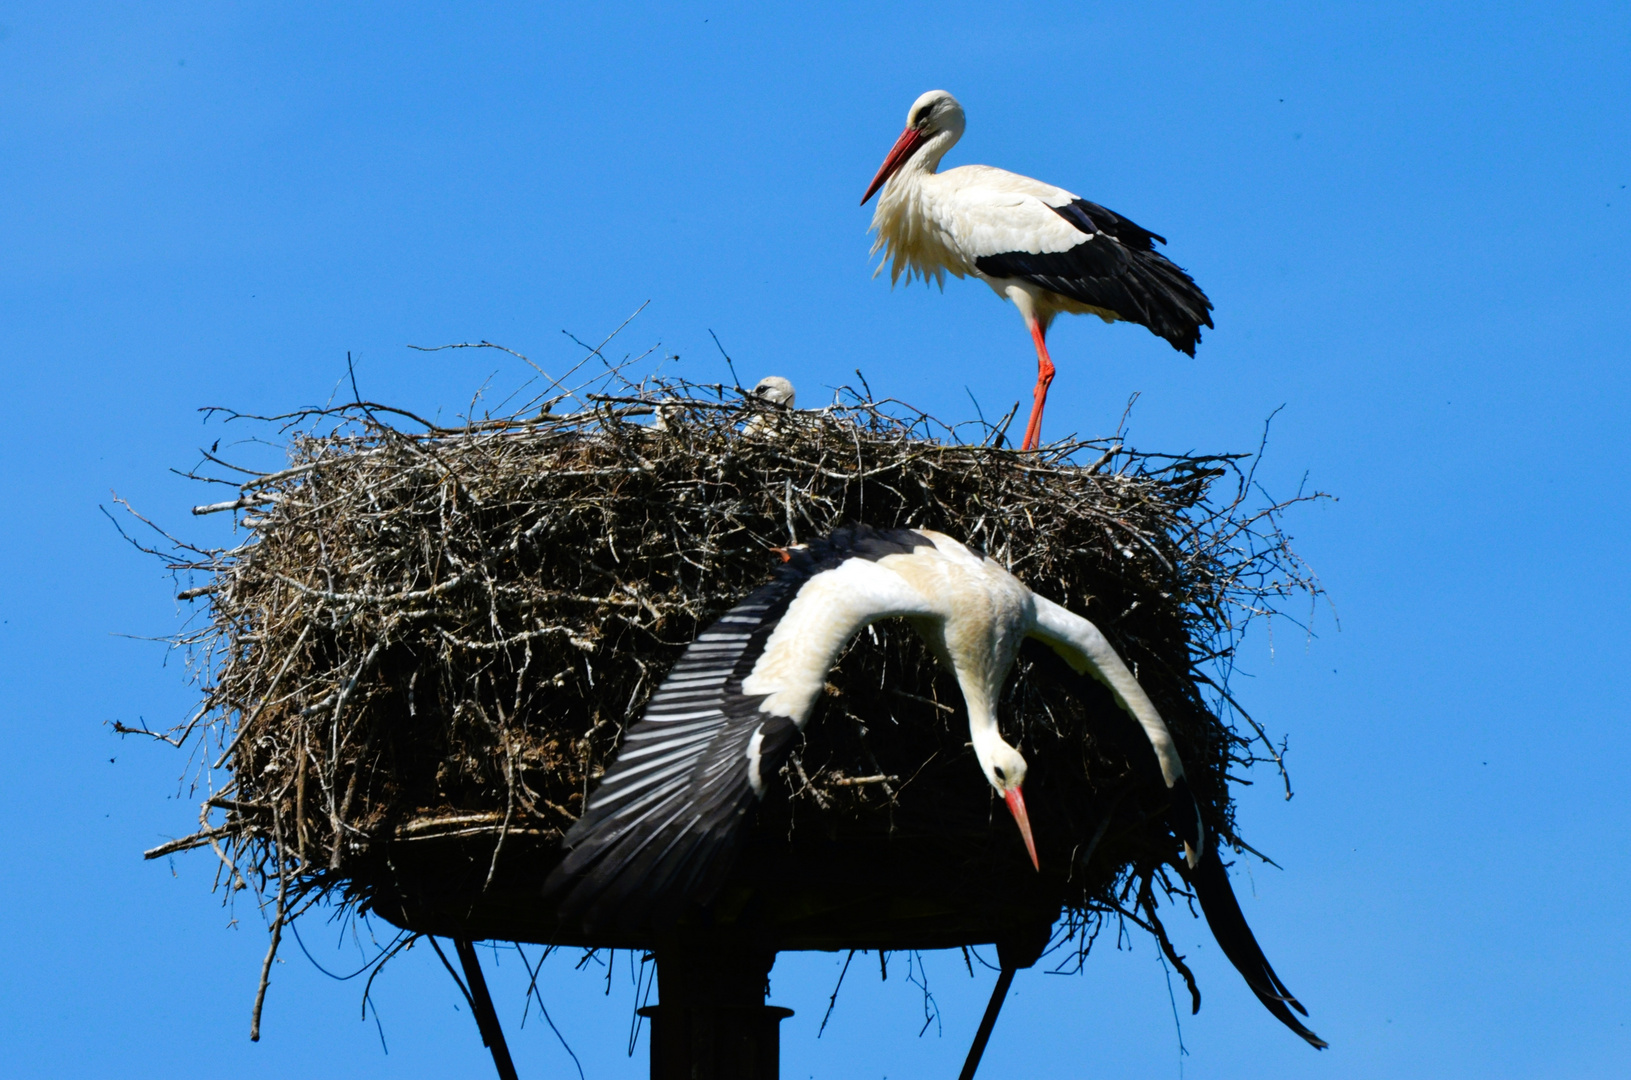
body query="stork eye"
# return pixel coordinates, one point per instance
(1001, 774)
(923, 117)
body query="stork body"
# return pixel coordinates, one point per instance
(719, 729)
(1037, 245)
(663, 826)
(661, 829)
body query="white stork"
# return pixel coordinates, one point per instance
(1035, 244)
(661, 829)
(774, 390)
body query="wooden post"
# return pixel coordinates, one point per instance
(712, 1022)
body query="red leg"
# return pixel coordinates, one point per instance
(1044, 376)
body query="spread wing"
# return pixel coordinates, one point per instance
(1085, 649)
(662, 828)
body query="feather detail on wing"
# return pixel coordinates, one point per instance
(661, 830)
(1111, 266)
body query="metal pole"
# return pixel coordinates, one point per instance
(481, 1003)
(998, 995)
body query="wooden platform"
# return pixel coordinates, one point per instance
(901, 892)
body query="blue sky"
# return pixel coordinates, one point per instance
(1413, 221)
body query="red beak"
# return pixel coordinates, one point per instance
(905, 147)
(1016, 806)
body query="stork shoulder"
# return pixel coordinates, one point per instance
(988, 178)
(828, 610)
(989, 212)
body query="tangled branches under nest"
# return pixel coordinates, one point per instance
(424, 654)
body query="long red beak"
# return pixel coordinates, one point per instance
(905, 147)
(1016, 806)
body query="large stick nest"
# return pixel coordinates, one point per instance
(424, 655)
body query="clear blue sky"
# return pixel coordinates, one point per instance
(1415, 224)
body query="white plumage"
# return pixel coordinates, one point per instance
(776, 391)
(931, 223)
(1040, 246)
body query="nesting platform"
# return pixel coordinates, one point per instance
(427, 649)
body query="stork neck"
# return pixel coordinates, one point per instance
(903, 192)
(927, 160)
(986, 737)
(905, 187)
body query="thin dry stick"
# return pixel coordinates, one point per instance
(248, 722)
(272, 947)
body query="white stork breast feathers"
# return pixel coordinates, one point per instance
(662, 829)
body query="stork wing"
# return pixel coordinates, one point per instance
(662, 827)
(1015, 227)
(1085, 649)
(1234, 936)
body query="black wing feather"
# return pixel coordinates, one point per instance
(1210, 881)
(1115, 268)
(1090, 217)
(1228, 923)
(661, 830)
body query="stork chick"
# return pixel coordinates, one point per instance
(776, 390)
(772, 389)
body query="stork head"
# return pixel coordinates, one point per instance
(933, 124)
(1005, 768)
(775, 389)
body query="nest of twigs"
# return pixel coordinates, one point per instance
(423, 655)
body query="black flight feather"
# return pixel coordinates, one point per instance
(1210, 881)
(662, 828)
(1115, 268)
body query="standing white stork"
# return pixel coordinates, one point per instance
(1035, 244)
(662, 828)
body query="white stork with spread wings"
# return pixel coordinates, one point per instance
(1035, 244)
(662, 828)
